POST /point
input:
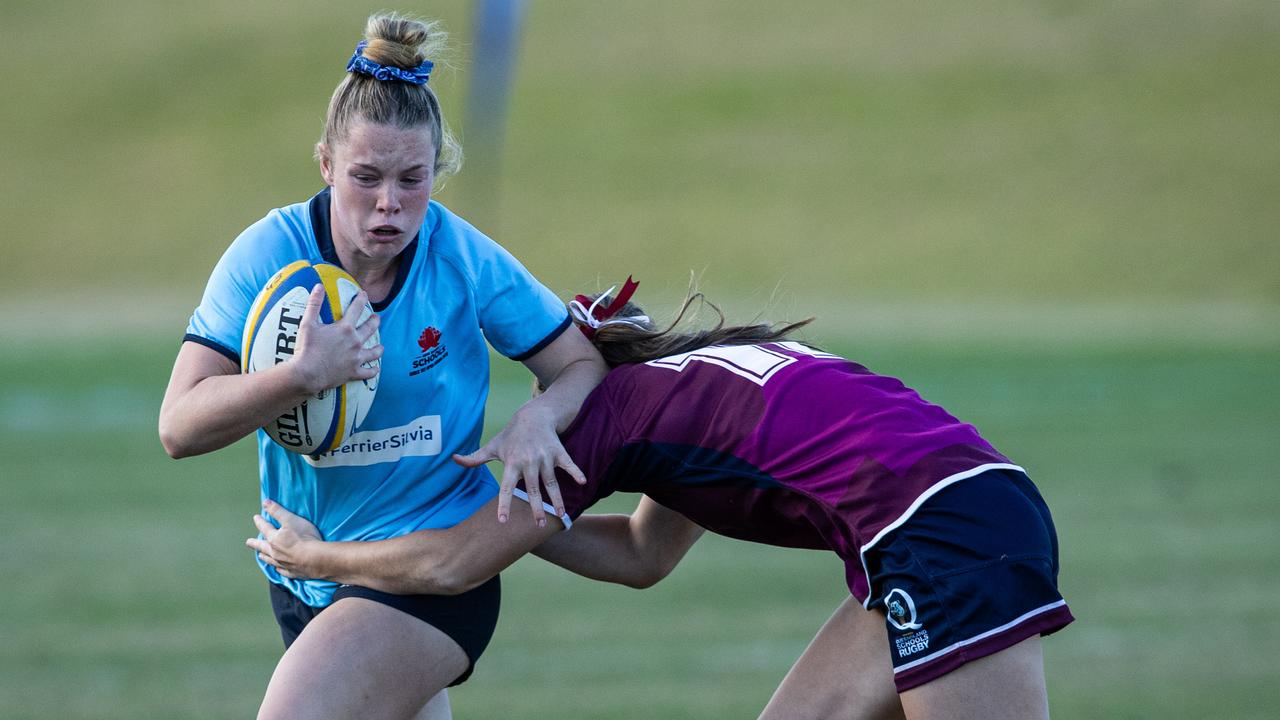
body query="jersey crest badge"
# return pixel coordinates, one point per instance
(433, 351)
(429, 338)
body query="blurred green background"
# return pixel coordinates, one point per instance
(1058, 219)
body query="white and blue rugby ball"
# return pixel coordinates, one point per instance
(322, 422)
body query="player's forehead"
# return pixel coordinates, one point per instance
(386, 147)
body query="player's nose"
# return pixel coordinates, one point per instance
(388, 199)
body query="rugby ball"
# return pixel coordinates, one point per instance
(322, 422)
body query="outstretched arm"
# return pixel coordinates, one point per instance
(447, 561)
(636, 550)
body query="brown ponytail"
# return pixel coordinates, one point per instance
(630, 337)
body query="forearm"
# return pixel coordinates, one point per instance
(209, 404)
(636, 550)
(218, 410)
(564, 393)
(408, 565)
(443, 561)
(600, 547)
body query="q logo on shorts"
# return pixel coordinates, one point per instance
(901, 610)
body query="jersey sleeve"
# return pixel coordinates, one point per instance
(518, 315)
(251, 260)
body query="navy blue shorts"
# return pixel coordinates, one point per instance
(973, 571)
(468, 618)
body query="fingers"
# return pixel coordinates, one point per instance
(265, 553)
(533, 478)
(537, 473)
(553, 494)
(368, 362)
(477, 458)
(278, 511)
(311, 313)
(564, 462)
(264, 526)
(352, 315)
(509, 479)
(262, 547)
(366, 329)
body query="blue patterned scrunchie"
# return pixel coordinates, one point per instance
(361, 64)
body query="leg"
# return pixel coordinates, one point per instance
(844, 673)
(1008, 684)
(362, 659)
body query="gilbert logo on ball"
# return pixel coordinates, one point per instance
(323, 421)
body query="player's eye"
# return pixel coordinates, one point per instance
(366, 179)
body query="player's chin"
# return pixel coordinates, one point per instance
(385, 247)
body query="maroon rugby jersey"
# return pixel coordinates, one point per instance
(775, 443)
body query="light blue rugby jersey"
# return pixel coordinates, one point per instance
(455, 289)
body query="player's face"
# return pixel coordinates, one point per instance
(381, 178)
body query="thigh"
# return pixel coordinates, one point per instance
(1006, 685)
(362, 659)
(844, 673)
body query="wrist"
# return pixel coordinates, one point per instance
(313, 559)
(535, 412)
(301, 380)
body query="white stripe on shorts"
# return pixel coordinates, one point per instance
(976, 638)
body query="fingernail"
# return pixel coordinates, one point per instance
(542, 522)
(502, 518)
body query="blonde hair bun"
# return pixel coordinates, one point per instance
(402, 41)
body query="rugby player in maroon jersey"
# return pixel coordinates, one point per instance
(947, 544)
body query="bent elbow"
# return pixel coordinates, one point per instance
(173, 445)
(641, 582)
(648, 576)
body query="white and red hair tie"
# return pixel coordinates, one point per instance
(591, 316)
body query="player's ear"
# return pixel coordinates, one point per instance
(326, 163)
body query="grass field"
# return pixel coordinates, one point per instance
(1055, 150)
(130, 594)
(1057, 218)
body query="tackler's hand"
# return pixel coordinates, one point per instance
(529, 450)
(286, 547)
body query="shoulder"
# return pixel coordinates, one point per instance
(635, 388)
(282, 234)
(456, 241)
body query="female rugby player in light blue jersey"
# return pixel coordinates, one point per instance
(948, 546)
(440, 289)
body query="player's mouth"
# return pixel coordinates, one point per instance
(386, 232)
